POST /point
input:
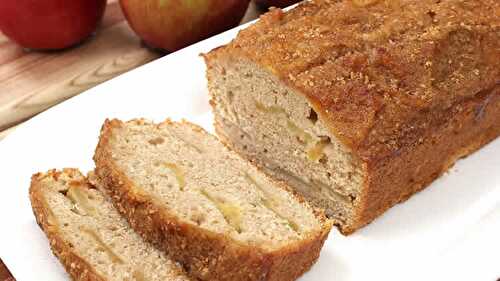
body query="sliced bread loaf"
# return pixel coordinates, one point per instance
(358, 104)
(217, 215)
(88, 235)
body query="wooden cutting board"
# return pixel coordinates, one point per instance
(4, 273)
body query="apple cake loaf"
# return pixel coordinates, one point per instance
(88, 235)
(360, 104)
(214, 212)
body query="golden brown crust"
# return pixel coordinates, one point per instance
(398, 82)
(76, 266)
(471, 125)
(204, 254)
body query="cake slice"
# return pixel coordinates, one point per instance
(358, 104)
(214, 212)
(88, 235)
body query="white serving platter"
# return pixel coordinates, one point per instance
(450, 231)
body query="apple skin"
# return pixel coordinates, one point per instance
(275, 3)
(170, 25)
(50, 24)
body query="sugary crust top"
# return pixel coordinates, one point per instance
(381, 72)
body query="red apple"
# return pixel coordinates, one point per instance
(173, 24)
(275, 3)
(49, 24)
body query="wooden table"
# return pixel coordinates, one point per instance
(31, 82)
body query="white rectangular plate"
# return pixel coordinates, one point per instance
(450, 231)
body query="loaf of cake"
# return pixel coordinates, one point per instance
(358, 104)
(213, 211)
(90, 238)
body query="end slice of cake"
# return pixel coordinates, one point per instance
(214, 212)
(88, 235)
